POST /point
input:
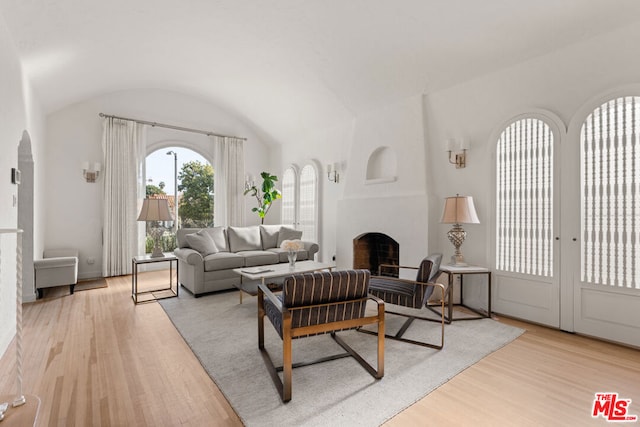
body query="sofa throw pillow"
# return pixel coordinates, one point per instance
(219, 236)
(202, 242)
(287, 233)
(244, 239)
(269, 236)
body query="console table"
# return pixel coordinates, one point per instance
(451, 271)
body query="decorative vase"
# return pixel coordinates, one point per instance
(292, 255)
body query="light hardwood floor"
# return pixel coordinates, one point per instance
(96, 359)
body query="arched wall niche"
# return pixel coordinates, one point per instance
(382, 166)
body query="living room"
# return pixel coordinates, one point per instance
(296, 107)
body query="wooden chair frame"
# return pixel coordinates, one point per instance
(410, 318)
(289, 332)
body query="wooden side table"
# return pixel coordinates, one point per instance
(451, 271)
(163, 292)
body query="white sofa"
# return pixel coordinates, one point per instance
(205, 268)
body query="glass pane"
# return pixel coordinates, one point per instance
(524, 202)
(610, 194)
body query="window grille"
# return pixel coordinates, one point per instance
(524, 198)
(610, 190)
(308, 202)
(289, 196)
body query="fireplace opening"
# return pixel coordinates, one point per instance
(370, 250)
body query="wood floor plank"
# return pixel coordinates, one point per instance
(97, 359)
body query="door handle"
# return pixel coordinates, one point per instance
(574, 239)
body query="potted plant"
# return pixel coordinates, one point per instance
(266, 195)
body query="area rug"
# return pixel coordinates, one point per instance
(85, 285)
(223, 335)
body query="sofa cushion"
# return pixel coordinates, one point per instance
(269, 236)
(254, 258)
(202, 242)
(287, 233)
(244, 239)
(222, 261)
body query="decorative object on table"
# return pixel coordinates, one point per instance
(265, 196)
(155, 211)
(292, 247)
(458, 210)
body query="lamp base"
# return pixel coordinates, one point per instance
(458, 261)
(157, 252)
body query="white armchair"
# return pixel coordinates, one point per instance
(58, 268)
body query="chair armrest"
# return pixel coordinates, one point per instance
(264, 291)
(55, 262)
(398, 267)
(188, 255)
(379, 303)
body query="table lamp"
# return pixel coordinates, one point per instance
(458, 210)
(154, 211)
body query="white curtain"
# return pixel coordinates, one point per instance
(123, 147)
(228, 179)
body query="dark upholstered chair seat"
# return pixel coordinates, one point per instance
(392, 288)
(411, 293)
(318, 303)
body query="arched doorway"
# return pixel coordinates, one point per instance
(185, 178)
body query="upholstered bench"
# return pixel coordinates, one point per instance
(58, 268)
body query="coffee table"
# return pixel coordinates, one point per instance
(273, 271)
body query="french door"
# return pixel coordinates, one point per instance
(527, 220)
(601, 224)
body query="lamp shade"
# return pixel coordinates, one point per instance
(155, 210)
(459, 210)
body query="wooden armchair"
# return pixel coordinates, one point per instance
(411, 293)
(318, 303)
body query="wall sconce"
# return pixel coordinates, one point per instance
(249, 182)
(332, 172)
(457, 148)
(91, 174)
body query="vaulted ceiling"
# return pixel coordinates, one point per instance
(289, 66)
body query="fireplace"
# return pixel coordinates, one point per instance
(370, 250)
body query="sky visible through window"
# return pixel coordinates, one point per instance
(159, 165)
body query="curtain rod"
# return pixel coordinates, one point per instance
(163, 125)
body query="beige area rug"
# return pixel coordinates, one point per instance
(223, 336)
(85, 285)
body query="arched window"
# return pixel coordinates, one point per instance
(185, 179)
(524, 198)
(308, 217)
(289, 181)
(610, 194)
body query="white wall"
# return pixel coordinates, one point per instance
(19, 111)
(418, 128)
(560, 82)
(352, 207)
(74, 207)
